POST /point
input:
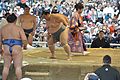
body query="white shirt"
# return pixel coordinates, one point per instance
(3, 22)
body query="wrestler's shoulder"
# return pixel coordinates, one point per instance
(75, 14)
(19, 28)
(21, 15)
(27, 15)
(57, 15)
(32, 16)
(4, 27)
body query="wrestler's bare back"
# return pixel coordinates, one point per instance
(11, 31)
(27, 21)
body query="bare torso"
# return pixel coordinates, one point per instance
(27, 21)
(54, 23)
(53, 26)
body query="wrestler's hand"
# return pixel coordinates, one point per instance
(67, 26)
(77, 30)
(32, 33)
(49, 36)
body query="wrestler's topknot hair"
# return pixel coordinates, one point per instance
(26, 6)
(45, 12)
(79, 6)
(101, 31)
(11, 18)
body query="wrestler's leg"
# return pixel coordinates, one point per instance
(7, 63)
(51, 46)
(17, 59)
(64, 42)
(25, 45)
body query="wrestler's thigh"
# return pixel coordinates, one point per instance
(50, 40)
(6, 56)
(17, 56)
(64, 36)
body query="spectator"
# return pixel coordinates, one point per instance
(91, 76)
(100, 41)
(106, 72)
(118, 38)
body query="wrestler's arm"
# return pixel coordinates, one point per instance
(62, 18)
(18, 22)
(66, 18)
(34, 25)
(23, 37)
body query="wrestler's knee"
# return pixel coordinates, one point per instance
(6, 69)
(50, 43)
(64, 44)
(18, 69)
(7, 65)
(51, 46)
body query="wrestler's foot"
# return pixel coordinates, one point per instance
(69, 59)
(25, 47)
(52, 57)
(85, 53)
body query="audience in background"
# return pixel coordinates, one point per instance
(97, 15)
(100, 41)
